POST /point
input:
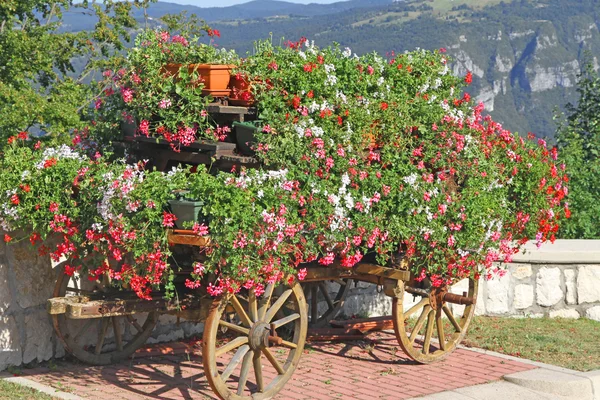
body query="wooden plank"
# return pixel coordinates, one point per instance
(366, 324)
(200, 144)
(187, 237)
(216, 108)
(57, 305)
(76, 308)
(378, 270)
(360, 271)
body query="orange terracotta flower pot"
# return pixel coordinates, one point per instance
(215, 77)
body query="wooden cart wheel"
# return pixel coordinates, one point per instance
(317, 292)
(243, 332)
(431, 329)
(113, 339)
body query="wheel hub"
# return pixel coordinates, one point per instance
(259, 336)
(436, 297)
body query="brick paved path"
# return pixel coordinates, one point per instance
(370, 369)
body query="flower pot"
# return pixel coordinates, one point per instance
(241, 91)
(215, 77)
(129, 128)
(185, 211)
(244, 136)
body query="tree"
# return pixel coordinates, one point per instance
(578, 139)
(41, 91)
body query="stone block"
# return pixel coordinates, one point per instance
(410, 300)
(370, 305)
(571, 297)
(193, 328)
(459, 288)
(565, 313)
(5, 296)
(34, 277)
(59, 349)
(548, 286)
(588, 284)
(593, 313)
(521, 271)
(480, 304)
(10, 343)
(523, 297)
(38, 342)
(172, 335)
(167, 319)
(497, 295)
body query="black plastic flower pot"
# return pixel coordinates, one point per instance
(186, 211)
(244, 136)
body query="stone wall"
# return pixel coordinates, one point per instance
(556, 280)
(26, 331)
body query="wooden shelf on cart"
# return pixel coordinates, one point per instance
(201, 144)
(218, 108)
(199, 152)
(94, 306)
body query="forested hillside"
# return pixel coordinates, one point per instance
(525, 55)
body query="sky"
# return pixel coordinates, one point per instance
(225, 3)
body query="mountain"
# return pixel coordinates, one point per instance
(524, 54)
(74, 20)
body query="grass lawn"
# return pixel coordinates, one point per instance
(12, 391)
(567, 343)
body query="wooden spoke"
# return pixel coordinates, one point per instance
(86, 327)
(233, 344)
(234, 327)
(244, 373)
(277, 305)
(240, 311)
(314, 307)
(252, 306)
(428, 332)
(325, 292)
(256, 358)
(102, 334)
(273, 360)
(450, 316)
(288, 344)
(285, 320)
(416, 307)
(237, 358)
(118, 333)
(440, 329)
(133, 322)
(265, 301)
(419, 324)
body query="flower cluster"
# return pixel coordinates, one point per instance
(157, 92)
(364, 157)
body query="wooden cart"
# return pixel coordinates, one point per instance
(243, 333)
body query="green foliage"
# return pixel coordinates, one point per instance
(40, 91)
(579, 142)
